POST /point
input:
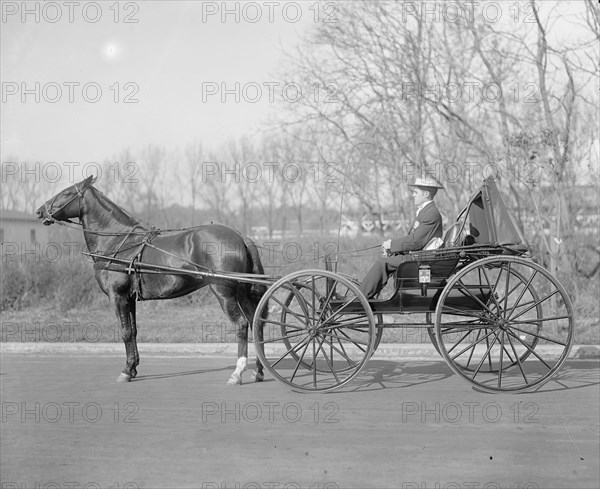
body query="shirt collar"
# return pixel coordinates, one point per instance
(423, 205)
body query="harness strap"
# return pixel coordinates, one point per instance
(138, 275)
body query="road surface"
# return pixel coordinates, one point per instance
(402, 424)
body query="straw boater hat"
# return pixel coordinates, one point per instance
(426, 183)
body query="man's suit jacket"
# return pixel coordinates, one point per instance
(427, 225)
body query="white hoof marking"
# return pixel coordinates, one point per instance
(240, 367)
(234, 380)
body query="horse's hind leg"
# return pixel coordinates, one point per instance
(249, 308)
(227, 297)
(132, 321)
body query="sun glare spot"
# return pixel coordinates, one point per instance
(111, 51)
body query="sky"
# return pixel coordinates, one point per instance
(78, 86)
(82, 81)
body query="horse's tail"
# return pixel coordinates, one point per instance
(256, 290)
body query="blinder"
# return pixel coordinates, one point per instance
(80, 191)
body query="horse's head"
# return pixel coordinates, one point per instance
(66, 204)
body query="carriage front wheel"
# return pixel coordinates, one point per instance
(504, 323)
(319, 331)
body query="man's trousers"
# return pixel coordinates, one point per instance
(379, 273)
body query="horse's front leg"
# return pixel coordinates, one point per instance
(259, 374)
(125, 310)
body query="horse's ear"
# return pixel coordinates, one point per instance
(90, 180)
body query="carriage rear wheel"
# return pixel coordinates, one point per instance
(504, 323)
(320, 331)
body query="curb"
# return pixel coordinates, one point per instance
(418, 351)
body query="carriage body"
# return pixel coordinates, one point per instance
(499, 320)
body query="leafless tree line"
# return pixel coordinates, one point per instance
(400, 96)
(274, 184)
(461, 99)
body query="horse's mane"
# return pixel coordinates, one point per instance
(115, 212)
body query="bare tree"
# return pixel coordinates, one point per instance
(192, 173)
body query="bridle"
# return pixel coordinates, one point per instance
(48, 205)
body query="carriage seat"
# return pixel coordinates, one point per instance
(407, 274)
(451, 239)
(452, 236)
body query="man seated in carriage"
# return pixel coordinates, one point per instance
(426, 226)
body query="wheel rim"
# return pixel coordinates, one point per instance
(320, 331)
(515, 338)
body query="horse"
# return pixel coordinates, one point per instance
(114, 237)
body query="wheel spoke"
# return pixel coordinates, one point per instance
(503, 298)
(474, 327)
(472, 345)
(340, 310)
(501, 359)
(294, 348)
(290, 311)
(330, 364)
(536, 304)
(281, 338)
(492, 289)
(300, 358)
(344, 354)
(352, 340)
(280, 323)
(472, 350)
(522, 294)
(539, 336)
(326, 302)
(530, 349)
(487, 353)
(540, 320)
(462, 312)
(466, 292)
(344, 323)
(466, 324)
(460, 341)
(517, 357)
(506, 289)
(510, 358)
(487, 343)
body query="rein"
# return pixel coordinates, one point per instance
(149, 234)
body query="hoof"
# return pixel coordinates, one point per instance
(234, 380)
(124, 378)
(133, 373)
(258, 376)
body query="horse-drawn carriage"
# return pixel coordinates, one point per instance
(500, 320)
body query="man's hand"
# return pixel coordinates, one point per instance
(385, 247)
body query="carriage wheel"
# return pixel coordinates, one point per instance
(432, 338)
(504, 324)
(320, 331)
(287, 317)
(378, 331)
(531, 340)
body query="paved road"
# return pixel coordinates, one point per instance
(411, 425)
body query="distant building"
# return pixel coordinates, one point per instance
(21, 235)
